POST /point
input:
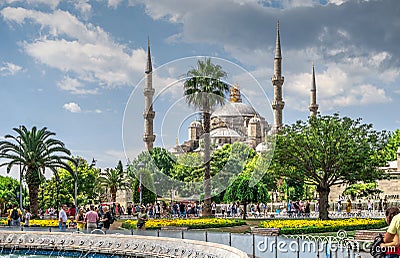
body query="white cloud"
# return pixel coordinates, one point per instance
(51, 3)
(74, 86)
(84, 7)
(113, 3)
(72, 107)
(89, 53)
(369, 94)
(337, 2)
(9, 69)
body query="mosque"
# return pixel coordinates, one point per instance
(235, 121)
(239, 122)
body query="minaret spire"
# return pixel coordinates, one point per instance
(313, 95)
(278, 53)
(277, 81)
(148, 113)
(149, 66)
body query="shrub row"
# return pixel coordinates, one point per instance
(190, 223)
(291, 227)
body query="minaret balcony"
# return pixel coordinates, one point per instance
(148, 92)
(277, 80)
(149, 114)
(280, 104)
(313, 107)
(149, 138)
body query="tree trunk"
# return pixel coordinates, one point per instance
(114, 195)
(323, 192)
(207, 181)
(244, 210)
(33, 199)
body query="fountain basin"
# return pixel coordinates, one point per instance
(120, 245)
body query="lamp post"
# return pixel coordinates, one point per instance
(58, 195)
(77, 164)
(140, 166)
(20, 174)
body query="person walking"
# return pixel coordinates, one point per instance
(62, 218)
(15, 216)
(91, 219)
(106, 220)
(142, 217)
(27, 217)
(80, 220)
(348, 206)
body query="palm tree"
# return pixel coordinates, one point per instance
(204, 90)
(113, 179)
(34, 150)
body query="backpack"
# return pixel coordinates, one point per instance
(112, 219)
(14, 214)
(376, 251)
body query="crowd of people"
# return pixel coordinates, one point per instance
(89, 218)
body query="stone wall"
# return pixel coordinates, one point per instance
(142, 246)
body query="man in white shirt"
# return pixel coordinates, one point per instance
(62, 218)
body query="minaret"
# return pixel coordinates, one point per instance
(277, 82)
(313, 95)
(148, 113)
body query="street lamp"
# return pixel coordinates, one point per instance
(58, 195)
(77, 164)
(20, 174)
(140, 166)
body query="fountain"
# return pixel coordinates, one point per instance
(93, 245)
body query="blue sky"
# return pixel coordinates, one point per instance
(72, 65)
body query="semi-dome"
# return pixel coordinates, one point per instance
(224, 132)
(254, 120)
(195, 123)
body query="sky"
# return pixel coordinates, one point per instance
(77, 66)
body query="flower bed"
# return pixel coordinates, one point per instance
(315, 226)
(190, 223)
(37, 222)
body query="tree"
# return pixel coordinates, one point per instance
(148, 188)
(9, 190)
(204, 89)
(245, 189)
(361, 190)
(188, 168)
(35, 150)
(163, 160)
(86, 184)
(113, 179)
(159, 163)
(327, 151)
(389, 152)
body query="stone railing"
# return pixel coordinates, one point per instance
(146, 246)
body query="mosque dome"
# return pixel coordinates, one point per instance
(233, 109)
